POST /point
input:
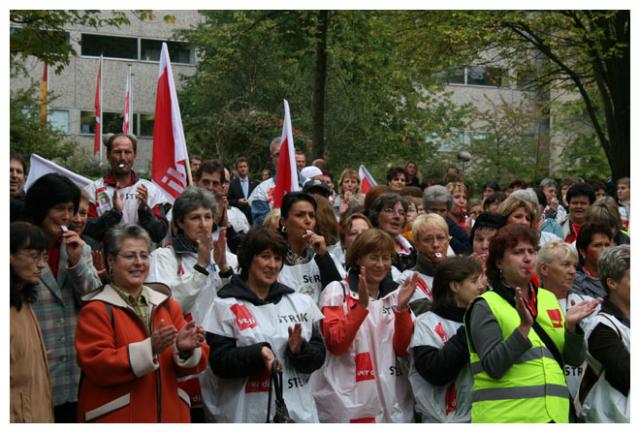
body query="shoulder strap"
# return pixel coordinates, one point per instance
(615, 327)
(109, 309)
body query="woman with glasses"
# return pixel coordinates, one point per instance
(31, 399)
(133, 342)
(388, 213)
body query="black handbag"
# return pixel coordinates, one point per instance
(281, 415)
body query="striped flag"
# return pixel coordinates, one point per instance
(97, 138)
(126, 118)
(366, 180)
(168, 166)
(43, 97)
(287, 174)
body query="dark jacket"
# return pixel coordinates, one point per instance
(460, 242)
(229, 361)
(235, 194)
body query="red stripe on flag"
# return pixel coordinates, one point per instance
(163, 142)
(283, 176)
(97, 139)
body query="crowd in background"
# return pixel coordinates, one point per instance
(410, 302)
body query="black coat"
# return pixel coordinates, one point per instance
(235, 194)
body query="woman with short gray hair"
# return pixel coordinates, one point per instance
(438, 199)
(190, 266)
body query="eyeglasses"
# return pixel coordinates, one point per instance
(35, 256)
(391, 211)
(131, 257)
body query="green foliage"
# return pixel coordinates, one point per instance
(379, 108)
(26, 134)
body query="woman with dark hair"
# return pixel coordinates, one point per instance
(257, 324)
(396, 179)
(519, 339)
(413, 176)
(367, 327)
(388, 213)
(439, 376)
(51, 202)
(30, 386)
(308, 266)
(133, 342)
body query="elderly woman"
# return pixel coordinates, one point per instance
(519, 339)
(438, 199)
(191, 267)
(605, 211)
(133, 342)
(254, 322)
(349, 195)
(367, 327)
(51, 202)
(609, 342)
(388, 213)
(431, 239)
(308, 266)
(30, 397)
(440, 377)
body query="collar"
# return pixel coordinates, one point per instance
(424, 265)
(129, 299)
(238, 288)
(610, 308)
(508, 294)
(387, 285)
(182, 245)
(156, 295)
(450, 312)
(293, 259)
(110, 180)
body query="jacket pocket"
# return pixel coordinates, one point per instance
(184, 396)
(107, 408)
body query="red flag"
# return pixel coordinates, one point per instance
(366, 180)
(43, 98)
(126, 118)
(97, 138)
(168, 167)
(287, 174)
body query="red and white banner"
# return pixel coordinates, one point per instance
(39, 166)
(126, 118)
(366, 180)
(97, 138)
(168, 167)
(287, 174)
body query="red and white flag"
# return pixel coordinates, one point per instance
(126, 118)
(168, 167)
(366, 180)
(97, 138)
(287, 174)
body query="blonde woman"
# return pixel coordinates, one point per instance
(349, 192)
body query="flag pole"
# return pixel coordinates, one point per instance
(131, 115)
(101, 104)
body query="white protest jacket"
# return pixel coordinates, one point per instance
(604, 403)
(245, 399)
(367, 383)
(424, 286)
(439, 404)
(101, 196)
(192, 289)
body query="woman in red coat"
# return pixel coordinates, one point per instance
(133, 342)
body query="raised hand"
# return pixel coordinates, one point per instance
(142, 195)
(117, 200)
(316, 241)
(163, 337)
(204, 249)
(577, 312)
(406, 291)
(526, 316)
(295, 338)
(74, 245)
(189, 337)
(220, 249)
(363, 288)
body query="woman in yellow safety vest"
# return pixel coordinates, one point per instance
(519, 339)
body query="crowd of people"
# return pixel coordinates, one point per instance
(409, 302)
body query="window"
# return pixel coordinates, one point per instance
(111, 123)
(486, 76)
(146, 125)
(109, 46)
(87, 122)
(59, 119)
(178, 51)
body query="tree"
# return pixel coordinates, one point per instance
(585, 52)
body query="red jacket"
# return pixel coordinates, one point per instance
(122, 380)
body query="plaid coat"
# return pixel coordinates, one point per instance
(57, 308)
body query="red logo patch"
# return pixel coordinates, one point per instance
(258, 382)
(441, 332)
(244, 318)
(364, 367)
(556, 317)
(370, 420)
(451, 398)
(424, 287)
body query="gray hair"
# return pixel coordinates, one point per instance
(547, 181)
(191, 199)
(384, 201)
(273, 143)
(613, 263)
(555, 250)
(437, 194)
(116, 236)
